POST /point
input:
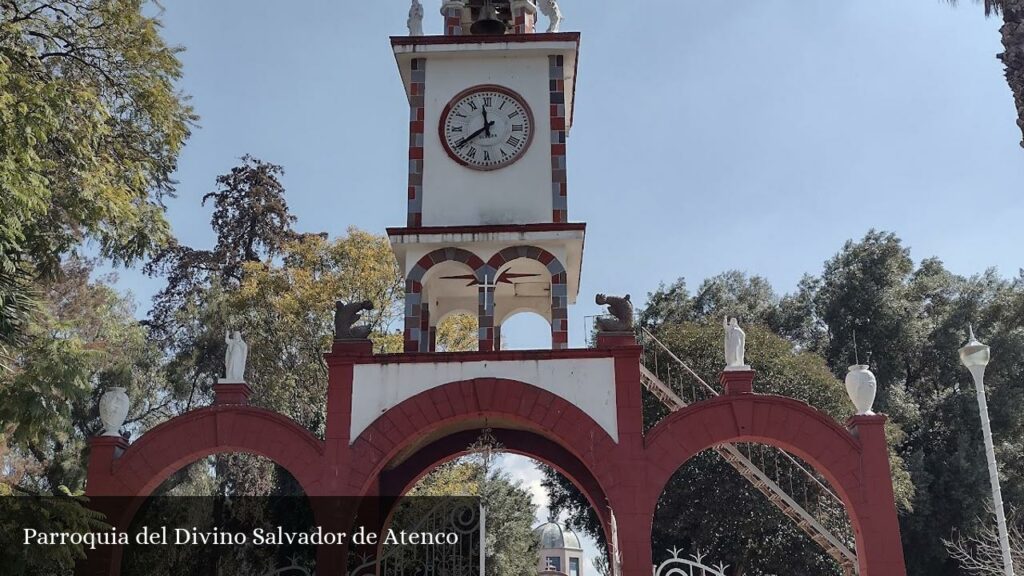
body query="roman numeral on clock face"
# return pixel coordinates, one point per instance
(486, 128)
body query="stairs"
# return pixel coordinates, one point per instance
(809, 502)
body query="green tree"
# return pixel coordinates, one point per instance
(90, 122)
(511, 547)
(864, 300)
(873, 303)
(749, 298)
(251, 222)
(911, 320)
(83, 340)
(707, 505)
(278, 287)
(285, 311)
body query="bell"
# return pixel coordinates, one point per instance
(488, 24)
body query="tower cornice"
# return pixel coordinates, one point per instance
(538, 37)
(564, 43)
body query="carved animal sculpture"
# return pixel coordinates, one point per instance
(622, 310)
(345, 315)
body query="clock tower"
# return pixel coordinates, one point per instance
(488, 230)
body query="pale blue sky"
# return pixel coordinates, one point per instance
(751, 134)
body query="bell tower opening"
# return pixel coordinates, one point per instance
(523, 330)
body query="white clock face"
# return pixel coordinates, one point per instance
(486, 128)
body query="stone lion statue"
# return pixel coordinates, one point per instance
(345, 315)
(622, 311)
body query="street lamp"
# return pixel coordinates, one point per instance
(975, 356)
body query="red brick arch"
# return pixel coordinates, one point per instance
(213, 430)
(625, 474)
(400, 479)
(417, 312)
(559, 288)
(424, 264)
(430, 416)
(797, 428)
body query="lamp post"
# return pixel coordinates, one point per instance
(975, 356)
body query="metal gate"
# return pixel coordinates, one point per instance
(691, 566)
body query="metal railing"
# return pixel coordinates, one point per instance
(795, 489)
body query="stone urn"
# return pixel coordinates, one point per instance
(113, 410)
(861, 386)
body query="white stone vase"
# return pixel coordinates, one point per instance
(861, 386)
(113, 410)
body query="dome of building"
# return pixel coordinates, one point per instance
(553, 535)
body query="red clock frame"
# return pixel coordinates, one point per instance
(486, 88)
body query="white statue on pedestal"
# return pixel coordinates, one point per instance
(735, 345)
(415, 22)
(550, 9)
(235, 357)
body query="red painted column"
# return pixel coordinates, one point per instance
(737, 381)
(231, 393)
(879, 549)
(626, 353)
(628, 493)
(634, 532)
(101, 481)
(341, 361)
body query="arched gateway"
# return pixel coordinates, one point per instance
(488, 232)
(392, 418)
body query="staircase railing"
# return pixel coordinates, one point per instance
(799, 492)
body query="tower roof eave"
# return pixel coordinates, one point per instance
(566, 44)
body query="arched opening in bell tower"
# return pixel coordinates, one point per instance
(524, 330)
(512, 280)
(449, 294)
(457, 331)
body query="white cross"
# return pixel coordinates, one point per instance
(487, 284)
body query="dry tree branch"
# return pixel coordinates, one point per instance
(980, 554)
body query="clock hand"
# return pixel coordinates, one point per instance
(466, 140)
(487, 125)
